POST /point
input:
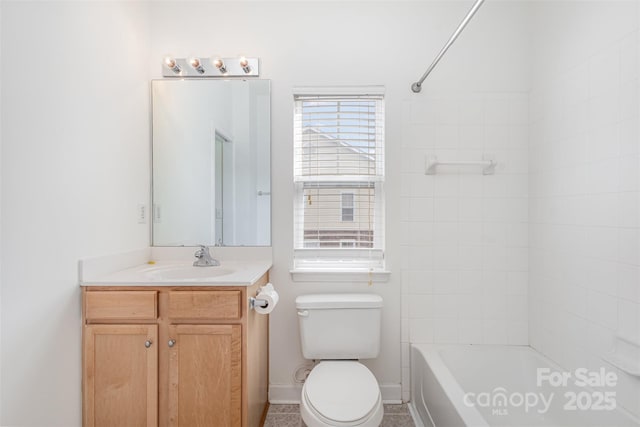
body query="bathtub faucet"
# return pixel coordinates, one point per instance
(204, 258)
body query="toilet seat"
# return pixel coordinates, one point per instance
(343, 393)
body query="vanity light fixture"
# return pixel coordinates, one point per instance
(172, 64)
(196, 65)
(244, 63)
(219, 64)
(213, 66)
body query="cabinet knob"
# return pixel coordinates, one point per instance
(148, 343)
(172, 343)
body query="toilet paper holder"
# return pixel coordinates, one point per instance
(257, 302)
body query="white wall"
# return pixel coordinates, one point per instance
(585, 183)
(464, 235)
(75, 143)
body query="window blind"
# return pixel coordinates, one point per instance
(339, 174)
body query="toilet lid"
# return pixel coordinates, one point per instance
(342, 391)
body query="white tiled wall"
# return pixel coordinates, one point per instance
(465, 234)
(584, 187)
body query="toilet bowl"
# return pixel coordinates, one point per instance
(338, 330)
(341, 393)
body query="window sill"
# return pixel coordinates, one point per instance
(339, 275)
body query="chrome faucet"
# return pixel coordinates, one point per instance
(204, 258)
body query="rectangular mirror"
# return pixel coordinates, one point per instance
(211, 162)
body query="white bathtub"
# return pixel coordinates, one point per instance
(478, 385)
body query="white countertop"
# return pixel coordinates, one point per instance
(134, 269)
(163, 273)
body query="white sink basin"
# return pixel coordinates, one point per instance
(186, 272)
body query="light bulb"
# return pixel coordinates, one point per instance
(172, 64)
(244, 63)
(219, 64)
(195, 63)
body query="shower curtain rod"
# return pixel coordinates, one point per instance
(417, 86)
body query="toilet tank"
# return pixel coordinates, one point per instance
(339, 326)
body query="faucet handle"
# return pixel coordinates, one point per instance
(204, 257)
(201, 252)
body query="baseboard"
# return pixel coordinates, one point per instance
(280, 394)
(391, 393)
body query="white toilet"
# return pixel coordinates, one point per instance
(338, 330)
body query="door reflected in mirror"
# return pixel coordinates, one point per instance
(211, 162)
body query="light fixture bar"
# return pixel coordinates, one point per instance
(233, 67)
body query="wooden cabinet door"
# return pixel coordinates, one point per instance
(205, 376)
(120, 376)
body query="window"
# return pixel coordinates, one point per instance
(347, 206)
(339, 174)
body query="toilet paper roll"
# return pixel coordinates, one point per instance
(270, 295)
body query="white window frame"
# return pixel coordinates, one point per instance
(328, 264)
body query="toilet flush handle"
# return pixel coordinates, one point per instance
(303, 313)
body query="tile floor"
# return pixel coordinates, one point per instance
(289, 416)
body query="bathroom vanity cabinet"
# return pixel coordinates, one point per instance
(174, 356)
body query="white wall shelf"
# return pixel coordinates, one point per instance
(432, 163)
